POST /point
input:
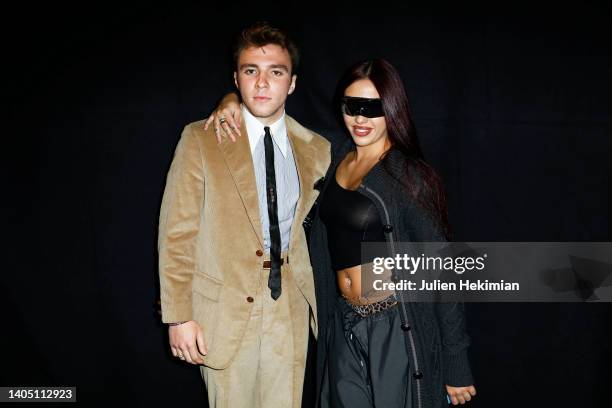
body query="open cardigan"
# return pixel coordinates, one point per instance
(439, 340)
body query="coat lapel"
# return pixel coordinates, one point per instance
(309, 169)
(240, 163)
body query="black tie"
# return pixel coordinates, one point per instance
(274, 281)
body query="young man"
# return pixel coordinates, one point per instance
(236, 281)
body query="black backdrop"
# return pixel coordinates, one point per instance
(513, 110)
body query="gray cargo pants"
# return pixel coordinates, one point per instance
(367, 361)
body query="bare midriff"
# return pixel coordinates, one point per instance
(351, 288)
(349, 176)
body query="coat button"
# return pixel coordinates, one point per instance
(387, 228)
(418, 375)
(250, 299)
(259, 252)
(405, 326)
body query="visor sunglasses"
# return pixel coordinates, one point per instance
(367, 107)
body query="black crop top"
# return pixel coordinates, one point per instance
(350, 218)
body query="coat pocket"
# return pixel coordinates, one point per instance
(207, 286)
(206, 295)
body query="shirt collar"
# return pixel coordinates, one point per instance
(255, 131)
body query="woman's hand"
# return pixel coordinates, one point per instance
(459, 395)
(227, 116)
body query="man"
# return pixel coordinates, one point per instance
(236, 281)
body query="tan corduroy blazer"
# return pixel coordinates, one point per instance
(210, 233)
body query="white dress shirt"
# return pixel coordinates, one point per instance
(287, 181)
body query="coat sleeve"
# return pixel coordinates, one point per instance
(178, 228)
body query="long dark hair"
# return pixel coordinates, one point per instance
(420, 179)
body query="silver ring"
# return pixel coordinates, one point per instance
(222, 120)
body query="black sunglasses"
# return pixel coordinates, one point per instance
(367, 107)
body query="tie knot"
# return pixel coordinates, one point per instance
(267, 130)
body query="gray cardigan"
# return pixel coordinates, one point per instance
(437, 341)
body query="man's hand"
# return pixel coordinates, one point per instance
(459, 395)
(187, 342)
(227, 116)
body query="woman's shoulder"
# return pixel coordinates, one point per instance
(390, 174)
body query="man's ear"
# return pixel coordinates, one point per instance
(236, 79)
(292, 86)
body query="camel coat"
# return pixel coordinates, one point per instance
(210, 236)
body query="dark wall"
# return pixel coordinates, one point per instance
(512, 109)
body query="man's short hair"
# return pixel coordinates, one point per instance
(262, 33)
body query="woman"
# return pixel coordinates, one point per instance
(378, 350)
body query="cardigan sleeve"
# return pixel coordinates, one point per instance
(421, 227)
